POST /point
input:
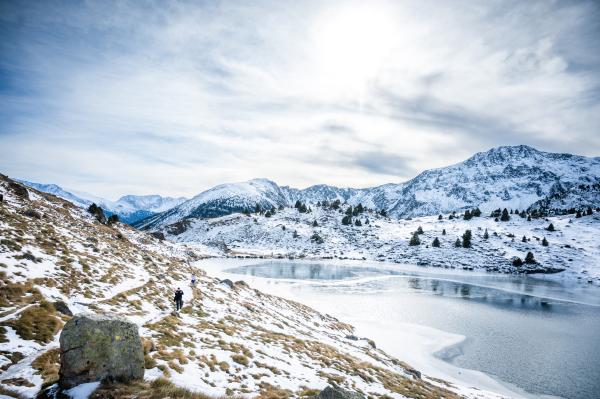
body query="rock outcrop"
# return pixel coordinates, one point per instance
(99, 347)
(338, 393)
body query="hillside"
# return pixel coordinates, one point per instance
(229, 339)
(504, 177)
(572, 246)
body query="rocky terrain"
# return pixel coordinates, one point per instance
(57, 260)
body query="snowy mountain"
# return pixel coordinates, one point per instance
(503, 177)
(512, 177)
(129, 208)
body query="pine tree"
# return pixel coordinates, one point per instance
(505, 217)
(524, 239)
(578, 215)
(467, 215)
(545, 242)
(457, 243)
(316, 238)
(114, 218)
(257, 209)
(476, 212)
(444, 232)
(414, 240)
(529, 259)
(550, 227)
(367, 221)
(589, 211)
(435, 243)
(517, 261)
(420, 230)
(440, 217)
(466, 239)
(357, 222)
(295, 234)
(315, 224)
(347, 220)
(529, 218)
(486, 235)
(349, 211)
(297, 204)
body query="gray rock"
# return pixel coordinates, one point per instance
(62, 307)
(18, 189)
(99, 347)
(414, 372)
(227, 282)
(158, 235)
(338, 393)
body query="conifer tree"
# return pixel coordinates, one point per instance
(414, 240)
(444, 232)
(440, 217)
(550, 227)
(517, 261)
(466, 239)
(529, 259)
(505, 216)
(524, 239)
(315, 224)
(457, 243)
(435, 243)
(347, 220)
(420, 230)
(486, 235)
(476, 212)
(544, 242)
(467, 215)
(357, 222)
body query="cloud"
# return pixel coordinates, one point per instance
(142, 97)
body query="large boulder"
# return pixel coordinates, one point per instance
(99, 347)
(338, 393)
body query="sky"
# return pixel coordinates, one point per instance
(173, 97)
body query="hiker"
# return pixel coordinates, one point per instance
(193, 280)
(178, 298)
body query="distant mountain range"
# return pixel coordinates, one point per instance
(129, 208)
(516, 177)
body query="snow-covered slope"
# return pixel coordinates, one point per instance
(572, 247)
(130, 208)
(513, 177)
(229, 340)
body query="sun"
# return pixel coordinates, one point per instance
(351, 45)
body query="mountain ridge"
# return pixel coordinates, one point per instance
(510, 176)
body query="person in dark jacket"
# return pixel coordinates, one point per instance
(178, 299)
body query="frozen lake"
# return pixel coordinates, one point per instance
(536, 334)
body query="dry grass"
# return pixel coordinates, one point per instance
(157, 389)
(241, 359)
(48, 365)
(37, 323)
(10, 394)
